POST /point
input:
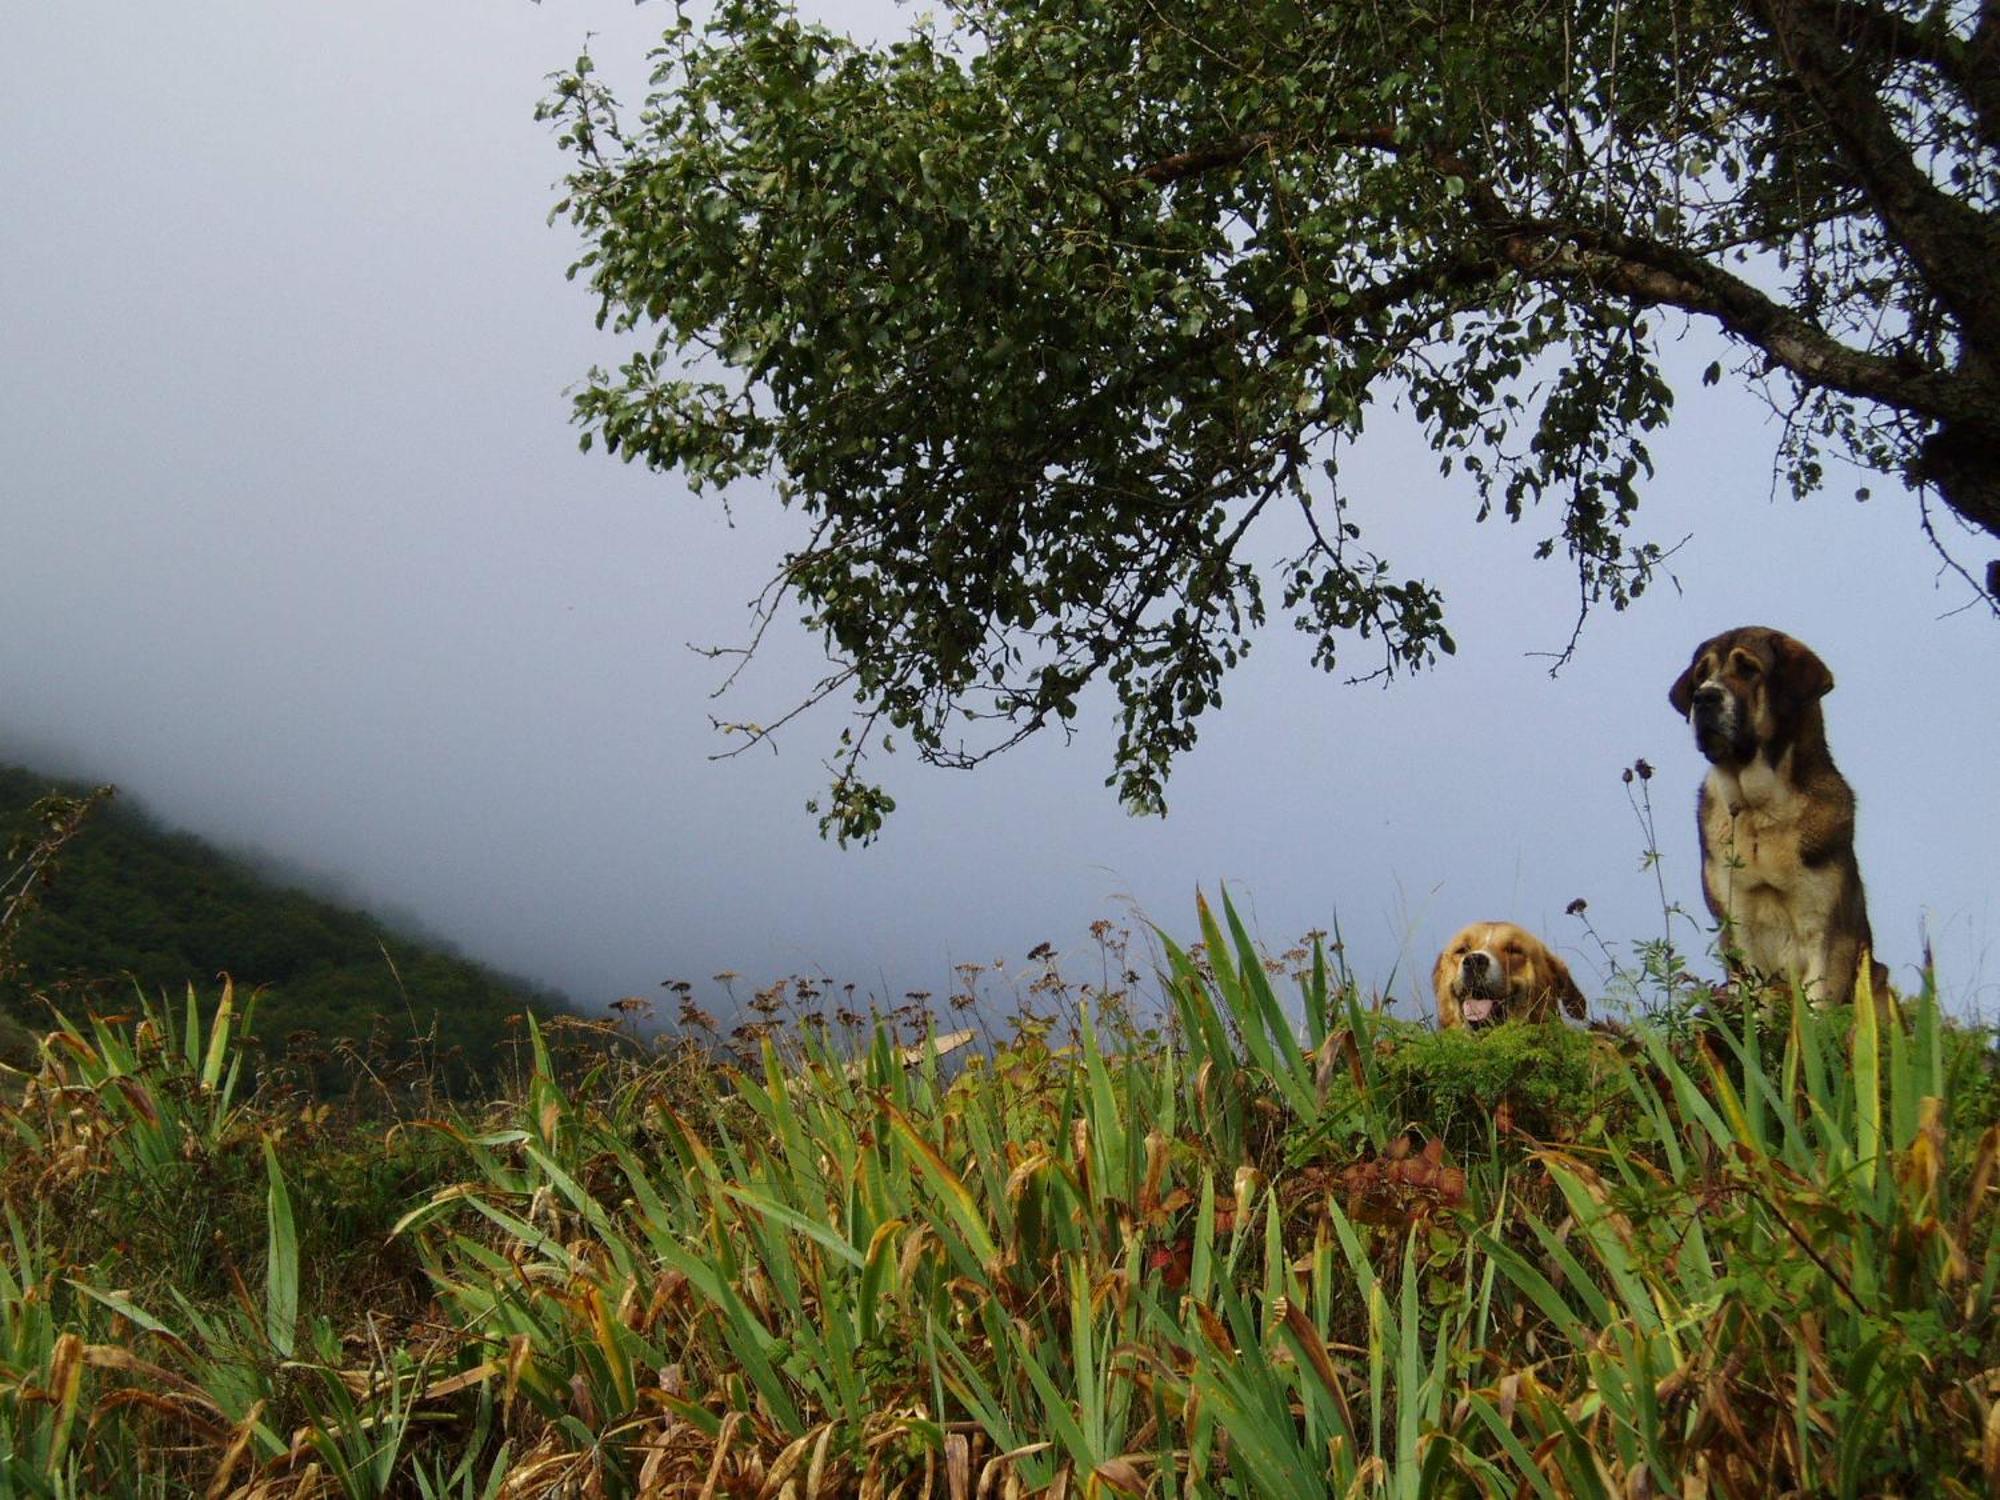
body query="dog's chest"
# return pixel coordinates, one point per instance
(1753, 831)
(1754, 826)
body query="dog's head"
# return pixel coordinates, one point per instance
(1493, 971)
(1748, 688)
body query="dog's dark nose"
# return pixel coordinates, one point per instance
(1476, 963)
(1708, 697)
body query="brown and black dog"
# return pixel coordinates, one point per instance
(1494, 971)
(1776, 816)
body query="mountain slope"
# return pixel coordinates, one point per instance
(135, 902)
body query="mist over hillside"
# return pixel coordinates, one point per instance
(63, 765)
(135, 904)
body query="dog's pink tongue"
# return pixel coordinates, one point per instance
(1476, 1010)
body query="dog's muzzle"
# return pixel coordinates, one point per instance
(1482, 990)
(1716, 722)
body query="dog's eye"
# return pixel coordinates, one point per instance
(1748, 666)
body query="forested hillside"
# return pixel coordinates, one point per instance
(135, 903)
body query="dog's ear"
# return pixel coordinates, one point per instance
(1563, 987)
(1681, 694)
(1802, 677)
(1447, 1002)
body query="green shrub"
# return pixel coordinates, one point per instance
(1522, 1081)
(1545, 1079)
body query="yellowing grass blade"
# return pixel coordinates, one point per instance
(218, 1035)
(65, 1381)
(958, 1200)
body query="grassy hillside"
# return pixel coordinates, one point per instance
(1751, 1253)
(135, 903)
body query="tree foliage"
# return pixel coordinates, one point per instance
(1039, 310)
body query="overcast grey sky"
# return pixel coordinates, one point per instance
(296, 545)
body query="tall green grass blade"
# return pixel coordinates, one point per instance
(1867, 1083)
(281, 1270)
(1607, 1238)
(1266, 1030)
(823, 1235)
(1409, 1375)
(1524, 1469)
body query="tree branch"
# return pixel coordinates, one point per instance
(1964, 404)
(1660, 275)
(1655, 273)
(1171, 169)
(1954, 247)
(1970, 66)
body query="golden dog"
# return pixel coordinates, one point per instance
(1495, 971)
(1776, 816)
